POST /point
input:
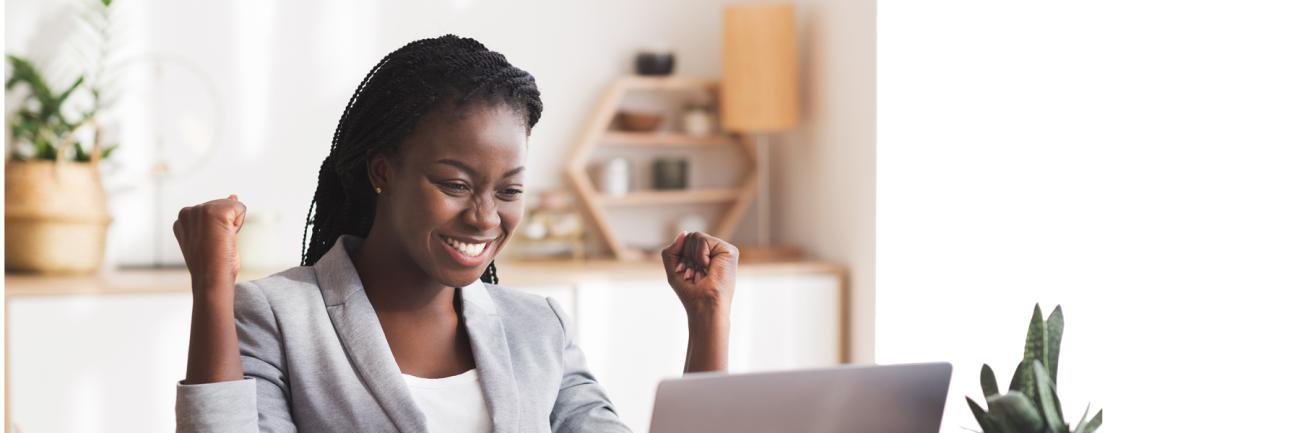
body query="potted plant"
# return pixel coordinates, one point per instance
(1031, 404)
(56, 211)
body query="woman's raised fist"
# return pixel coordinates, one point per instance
(206, 233)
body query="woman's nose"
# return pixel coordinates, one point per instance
(482, 214)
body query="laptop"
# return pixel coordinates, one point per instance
(905, 398)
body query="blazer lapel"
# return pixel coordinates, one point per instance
(496, 371)
(363, 339)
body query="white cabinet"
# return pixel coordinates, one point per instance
(96, 363)
(634, 332)
(96, 356)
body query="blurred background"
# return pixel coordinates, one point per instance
(906, 180)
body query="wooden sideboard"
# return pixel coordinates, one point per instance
(104, 352)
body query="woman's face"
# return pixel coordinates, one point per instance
(453, 195)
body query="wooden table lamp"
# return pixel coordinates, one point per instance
(760, 94)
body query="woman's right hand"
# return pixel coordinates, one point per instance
(206, 233)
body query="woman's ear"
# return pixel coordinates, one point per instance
(380, 171)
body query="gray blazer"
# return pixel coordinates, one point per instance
(315, 360)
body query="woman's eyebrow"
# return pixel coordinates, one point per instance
(470, 170)
(459, 165)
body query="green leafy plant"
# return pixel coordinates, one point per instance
(1031, 405)
(40, 119)
(44, 122)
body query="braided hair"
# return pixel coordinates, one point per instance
(418, 78)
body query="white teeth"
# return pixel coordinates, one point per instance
(472, 250)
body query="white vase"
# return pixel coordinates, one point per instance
(616, 177)
(697, 122)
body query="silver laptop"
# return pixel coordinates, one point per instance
(877, 399)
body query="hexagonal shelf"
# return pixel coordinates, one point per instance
(597, 133)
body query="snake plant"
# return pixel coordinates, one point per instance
(1031, 405)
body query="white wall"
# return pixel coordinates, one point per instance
(824, 176)
(285, 70)
(1135, 161)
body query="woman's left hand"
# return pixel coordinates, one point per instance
(702, 270)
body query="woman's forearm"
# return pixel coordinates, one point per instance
(214, 344)
(706, 349)
(206, 234)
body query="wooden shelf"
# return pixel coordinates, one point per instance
(597, 134)
(646, 198)
(664, 139)
(667, 83)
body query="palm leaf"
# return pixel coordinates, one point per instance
(108, 150)
(63, 97)
(24, 72)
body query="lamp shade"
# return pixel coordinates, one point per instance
(760, 82)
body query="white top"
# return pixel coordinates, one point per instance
(451, 404)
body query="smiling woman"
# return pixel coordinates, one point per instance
(436, 95)
(395, 321)
(452, 193)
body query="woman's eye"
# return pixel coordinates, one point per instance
(455, 187)
(511, 193)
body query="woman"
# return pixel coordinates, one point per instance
(394, 321)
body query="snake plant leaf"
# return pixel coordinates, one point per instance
(1047, 401)
(1093, 424)
(1035, 339)
(988, 382)
(1016, 409)
(1055, 328)
(1018, 378)
(1023, 380)
(1083, 419)
(1060, 411)
(982, 417)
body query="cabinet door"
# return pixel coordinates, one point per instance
(786, 322)
(634, 332)
(96, 363)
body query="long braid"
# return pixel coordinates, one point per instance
(406, 84)
(490, 275)
(327, 177)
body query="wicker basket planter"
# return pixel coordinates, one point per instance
(56, 217)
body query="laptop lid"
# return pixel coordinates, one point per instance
(905, 398)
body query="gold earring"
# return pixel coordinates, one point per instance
(379, 190)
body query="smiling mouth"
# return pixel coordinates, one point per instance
(466, 248)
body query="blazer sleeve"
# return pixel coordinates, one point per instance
(259, 402)
(582, 405)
